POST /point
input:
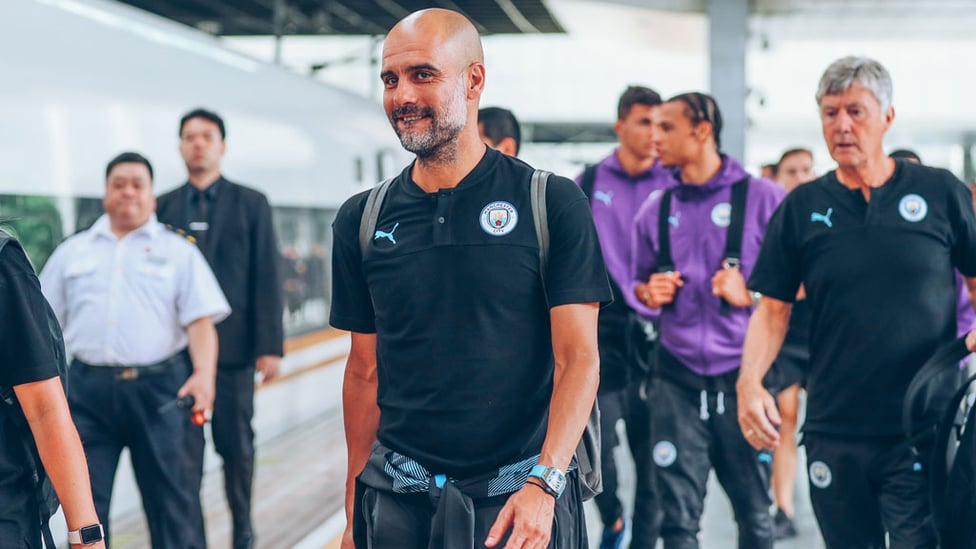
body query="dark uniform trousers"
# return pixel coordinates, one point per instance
(112, 412)
(862, 487)
(690, 438)
(630, 405)
(19, 528)
(233, 439)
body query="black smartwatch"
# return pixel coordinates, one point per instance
(86, 535)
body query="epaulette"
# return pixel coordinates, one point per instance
(189, 237)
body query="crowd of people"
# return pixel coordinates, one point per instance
(497, 312)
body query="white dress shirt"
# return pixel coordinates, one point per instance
(127, 301)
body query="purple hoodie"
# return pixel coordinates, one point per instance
(692, 328)
(616, 198)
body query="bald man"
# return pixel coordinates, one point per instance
(469, 381)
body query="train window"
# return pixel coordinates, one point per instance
(385, 166)
(304, 237)
(360, 176)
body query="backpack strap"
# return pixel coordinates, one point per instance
(947, 356)
(540, 217)
(733, 237)
(371, 214)
(588, 181)
(940, 468)
(665, 263)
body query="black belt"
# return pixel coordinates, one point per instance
(135, 372)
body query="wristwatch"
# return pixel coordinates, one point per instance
(86, 535)
(553, 480)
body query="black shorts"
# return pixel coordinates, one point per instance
(791, 364)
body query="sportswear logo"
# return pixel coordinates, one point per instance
(820, 475)
(673, 220)
(665, 453)
(605, 197)
(722, 214)
(822, 217)
(499, 218)
(913, 208)
(388, 236)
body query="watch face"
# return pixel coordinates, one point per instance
(91, 534)
(556, 480)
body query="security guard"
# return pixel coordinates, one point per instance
(131, 297)
(874, 244)
(693, 246)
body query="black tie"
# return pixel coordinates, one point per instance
(201, 218)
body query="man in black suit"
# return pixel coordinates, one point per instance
(232, 225)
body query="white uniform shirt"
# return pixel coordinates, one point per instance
(127, 301)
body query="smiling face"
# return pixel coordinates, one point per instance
(854, 126)
(432, 79)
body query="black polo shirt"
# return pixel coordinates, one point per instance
(879, 280)
(451, 287)
(26, 355)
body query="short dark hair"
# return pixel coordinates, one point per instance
(636, 95)
(795, 150)
(498, 123)
(906, 154)
(701, 107)
(126, 158)
(773, 167)
(206, 115)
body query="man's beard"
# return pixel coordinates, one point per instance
(440, 139)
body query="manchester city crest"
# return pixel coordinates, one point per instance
(820, 475)
(499, 218)
(665, 453)
(722, 214)
(913, 207)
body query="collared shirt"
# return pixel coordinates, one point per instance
(193, 195)
(127, 301)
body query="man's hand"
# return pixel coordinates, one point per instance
(660, 289)
(971, 341)
(269, 366)
(731, 286)
(529, 514)
(347, 541)
(758, 416)
(202, 388)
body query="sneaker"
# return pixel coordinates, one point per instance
(783, 526)
(613, 540)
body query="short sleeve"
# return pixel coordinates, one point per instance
(963, 227)
(576, 271)
(200, 295)
(352, 306)
(27, 343)
(777, 270)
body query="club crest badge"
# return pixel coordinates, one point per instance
(722, 214)
(665, 454)
(499, 218)
(820, 475)
(913, 208)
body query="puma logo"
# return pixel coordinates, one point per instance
(388, 236)
(605, 197)
(673, 220)
(822, 217)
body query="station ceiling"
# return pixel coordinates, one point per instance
(345, 17)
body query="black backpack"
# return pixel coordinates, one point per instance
(939, 418)
(588, 450)
(44, 495)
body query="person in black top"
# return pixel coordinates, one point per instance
(29, 360)
(874, 244)
(233, 227)
(472, 372)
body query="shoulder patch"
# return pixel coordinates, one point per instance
(189, 237)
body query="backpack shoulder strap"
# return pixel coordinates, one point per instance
(733, 238)
(367, 225)
(664, 261)
(588, 181)
(540, 216)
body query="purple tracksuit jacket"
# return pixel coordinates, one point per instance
(692, 328)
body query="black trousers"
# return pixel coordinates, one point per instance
(864, 487)
(19, 528)
(630, 405)
(233, 439)
(385, 520)
(691, 438)
(112, 414)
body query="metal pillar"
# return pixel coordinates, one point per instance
(279, 14)
(728, 30)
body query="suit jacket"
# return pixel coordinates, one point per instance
(243, 252)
